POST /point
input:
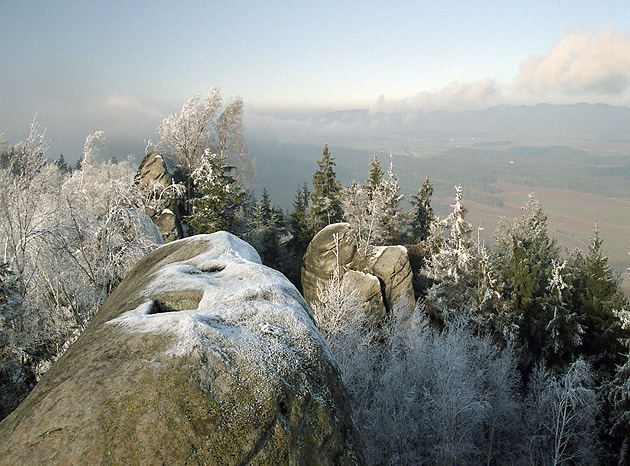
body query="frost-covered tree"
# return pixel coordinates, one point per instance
(457, 259)
(524, 258)
(564, 328)
(219, 195)
(464, 280)
(29, 190)
(102, 228)
(386, 202)
(561, 417)
(16, 375)
(68, 240)
(325, 204)
(203, 126)
(188, 133)
(373, 211)
(419, 395)
(422, 212)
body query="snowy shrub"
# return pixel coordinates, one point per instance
(419, 395)
(561, 417)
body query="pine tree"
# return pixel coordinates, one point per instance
(61, 163)
(524, 258)
(219, 196)
(300, 230)
(422, 213)
(375, 176)
(561, 417)
(597, 298)
(326, 206)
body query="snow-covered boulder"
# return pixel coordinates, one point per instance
(201, 356)
(384, 280)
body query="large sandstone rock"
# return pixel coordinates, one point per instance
(201, 356)
(157, 170)
(383, 280)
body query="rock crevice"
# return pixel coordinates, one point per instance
(383, 279)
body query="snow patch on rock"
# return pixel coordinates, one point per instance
(253, 306)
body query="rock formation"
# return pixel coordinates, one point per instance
(383, 279)
(156, 173)
(200, 356)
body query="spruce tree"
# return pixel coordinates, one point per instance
(326, 205)
(597, 298)
(375, 176)
(422, 213)
(61, 163)
(300, 230)
(524, 258)
(218, 196)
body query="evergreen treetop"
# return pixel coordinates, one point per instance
(326, 206)
(376, 174)
(219, 195)
(302, 233)
(422, 213)
(61, 163)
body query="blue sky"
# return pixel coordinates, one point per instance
(121, 66)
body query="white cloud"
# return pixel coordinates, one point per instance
(455, 96)
(581, 63)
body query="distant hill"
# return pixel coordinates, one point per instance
(543, 123)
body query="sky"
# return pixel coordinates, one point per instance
(122, 66)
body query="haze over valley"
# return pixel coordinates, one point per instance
(574, 158)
